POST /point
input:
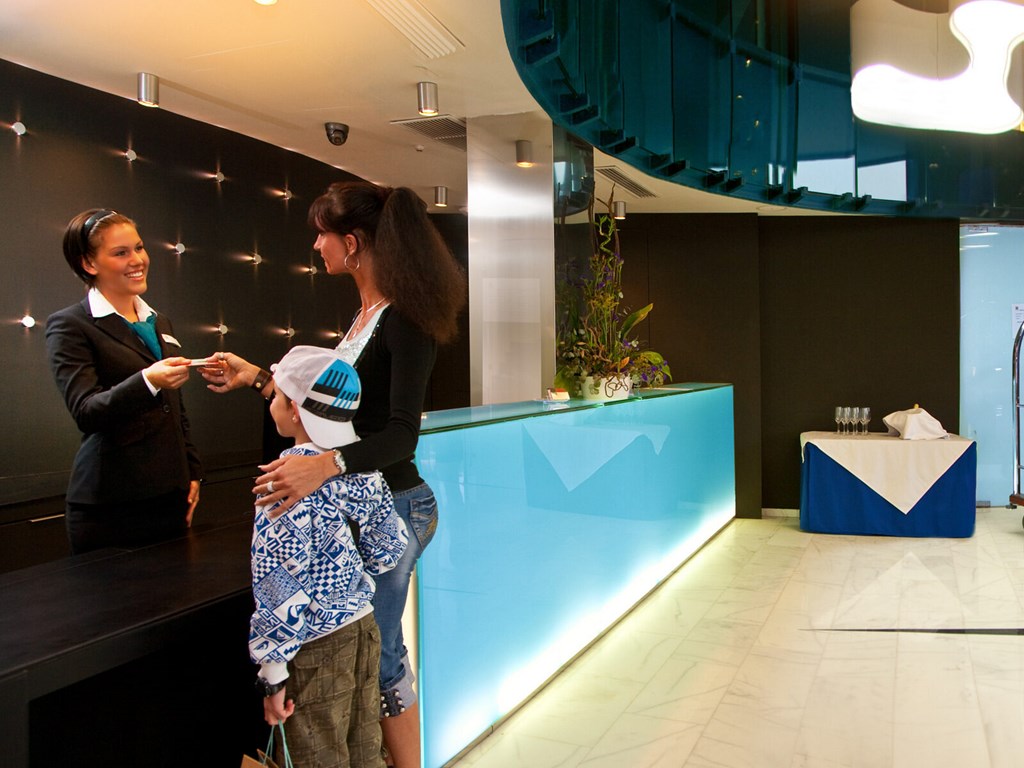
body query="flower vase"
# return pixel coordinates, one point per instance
(605, 388)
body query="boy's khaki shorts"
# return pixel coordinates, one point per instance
(334, 683)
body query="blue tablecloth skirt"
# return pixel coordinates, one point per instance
(832, 500)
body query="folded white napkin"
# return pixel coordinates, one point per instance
(914, 424)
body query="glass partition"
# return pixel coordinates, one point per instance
(991, 310)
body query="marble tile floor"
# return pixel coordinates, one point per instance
(774, 648)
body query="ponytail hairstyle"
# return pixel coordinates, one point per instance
(83, 235)
(412, 264)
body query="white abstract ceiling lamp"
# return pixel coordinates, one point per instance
(948, 71)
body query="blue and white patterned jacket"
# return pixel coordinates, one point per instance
(308, 577)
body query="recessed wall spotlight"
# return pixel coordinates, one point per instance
(524, 153)
(289, 332)
(426, 98)
(149, 90)
(619, 209)
(257, 259)
(28, 321)
(441, 197)
(287, 194)
(313, 270)
(218, 177)
(179, 247)
(131, 155)
(221, 329)
(19, 128)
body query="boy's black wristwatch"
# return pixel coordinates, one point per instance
(268, 688)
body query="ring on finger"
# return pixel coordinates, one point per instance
(270, 486)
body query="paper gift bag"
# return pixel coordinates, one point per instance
(264, 757)
(265, 761)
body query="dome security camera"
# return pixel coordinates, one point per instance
(337, 133)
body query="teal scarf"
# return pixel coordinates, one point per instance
(146, 330)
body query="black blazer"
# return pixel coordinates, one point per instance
(134, 445)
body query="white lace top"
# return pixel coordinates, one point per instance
(350, 349)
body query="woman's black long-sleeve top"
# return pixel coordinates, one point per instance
(394, 369)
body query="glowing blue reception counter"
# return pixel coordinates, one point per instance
(555, 520)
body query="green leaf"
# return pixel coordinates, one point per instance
(635, 317)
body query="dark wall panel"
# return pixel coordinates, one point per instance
(701, 272)
(73, 158)
(855, 310)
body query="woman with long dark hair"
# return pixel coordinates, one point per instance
(411, 290)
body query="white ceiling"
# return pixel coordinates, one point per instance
(278, 73)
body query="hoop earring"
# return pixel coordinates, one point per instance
(348, 266)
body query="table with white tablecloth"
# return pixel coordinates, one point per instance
(878, 484)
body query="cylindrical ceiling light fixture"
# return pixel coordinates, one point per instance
(149, 90)
(620, 209)
(524, 153)
(426, 97)
(441, 197)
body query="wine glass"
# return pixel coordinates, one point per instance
(865, 418)
(847, 415)
(839, 417)
(855, 418)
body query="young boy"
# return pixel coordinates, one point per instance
(311, 577)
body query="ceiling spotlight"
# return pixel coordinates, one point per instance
(619, 209)
(266, 2)
(149, 90)
(426, 96)
(524, 153)
(441, 197)
(19, 128)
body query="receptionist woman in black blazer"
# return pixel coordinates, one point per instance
(135, 479)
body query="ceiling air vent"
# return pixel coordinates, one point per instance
(444, 128)
(424, 30)
(620, 179)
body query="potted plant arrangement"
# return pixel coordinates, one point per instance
(598, 357)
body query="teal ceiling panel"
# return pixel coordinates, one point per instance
(749, 98)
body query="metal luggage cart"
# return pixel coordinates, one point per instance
(1016, 499)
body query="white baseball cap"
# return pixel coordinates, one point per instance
(326, 389)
